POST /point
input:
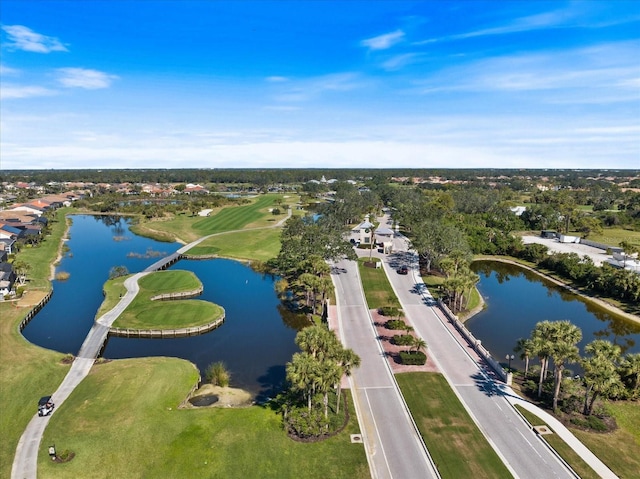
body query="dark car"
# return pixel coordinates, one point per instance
(403, 270)
(45, 406)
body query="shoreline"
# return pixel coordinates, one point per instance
(63, 240)
(603, 304)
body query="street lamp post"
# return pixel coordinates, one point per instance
(509, 357)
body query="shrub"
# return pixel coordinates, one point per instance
(413, 358)
(402, 340)
(217, 374)
(62, 275)
(590, 422)
(389, 311)
(306, 424)
(395, 324)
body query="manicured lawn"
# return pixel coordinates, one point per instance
(261, 245)
(189, 228)
(618, 449)
(122, 422)
(456, 445)
(614, 236)
(40, 257)
(574, 460)
(143, 313)
(27, 372)
(113, 289)
(238, 217)
(377, 288)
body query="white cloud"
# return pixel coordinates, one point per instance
(276, 79)
(8, 71)
(382, 42)
(577, 14)
(84, 78)
(8, 91)
(593, 74)
(310, 88)
(23, 38)
(398, 62)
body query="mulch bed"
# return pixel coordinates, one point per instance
(392, 351)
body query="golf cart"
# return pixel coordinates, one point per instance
(45, 406)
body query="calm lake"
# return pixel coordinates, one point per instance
(517, 299)
(254, 342)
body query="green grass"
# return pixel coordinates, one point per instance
(377, 288)
(618, 449)
(143, 313)
(27, 372)
(40, 257)
(456, 445)
(188, 228)
(113, 290)
(122, 422)
(614, 236)
(569, 455)
(258, 245)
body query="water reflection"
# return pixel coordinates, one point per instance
(517, 299)
(255, 342)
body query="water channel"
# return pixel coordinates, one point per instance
(517, 299)
(255, 341)
(257, 338)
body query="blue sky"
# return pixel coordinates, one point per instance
(214, 84)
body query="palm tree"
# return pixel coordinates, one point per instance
(566, 336)
(301, 373)
(600, 371)
(318, 341)
(330, 373)
(347, 359)
(524, 348)
(631, 367)
(418, 344)
(541, 338)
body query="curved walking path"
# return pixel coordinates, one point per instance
(25, 462)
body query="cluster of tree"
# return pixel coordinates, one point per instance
(607, 373)
(313, 375)
(152, 207)
(436, 235)
(305, 247)
(605, 280)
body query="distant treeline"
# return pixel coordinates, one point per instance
(515, 178)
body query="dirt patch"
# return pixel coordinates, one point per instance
(392, 352)
(227, 397)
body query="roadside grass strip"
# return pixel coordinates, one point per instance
(377, 288)
(260, 245)
(569, 455)
(456, 445)
(619, 449)
(143, 313)
(122, 421)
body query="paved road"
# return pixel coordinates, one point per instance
(482, 394)
(394, 447)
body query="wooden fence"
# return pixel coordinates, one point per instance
(35, 310)
(166, 333)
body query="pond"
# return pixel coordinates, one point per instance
(516, 299)
(255, 341)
